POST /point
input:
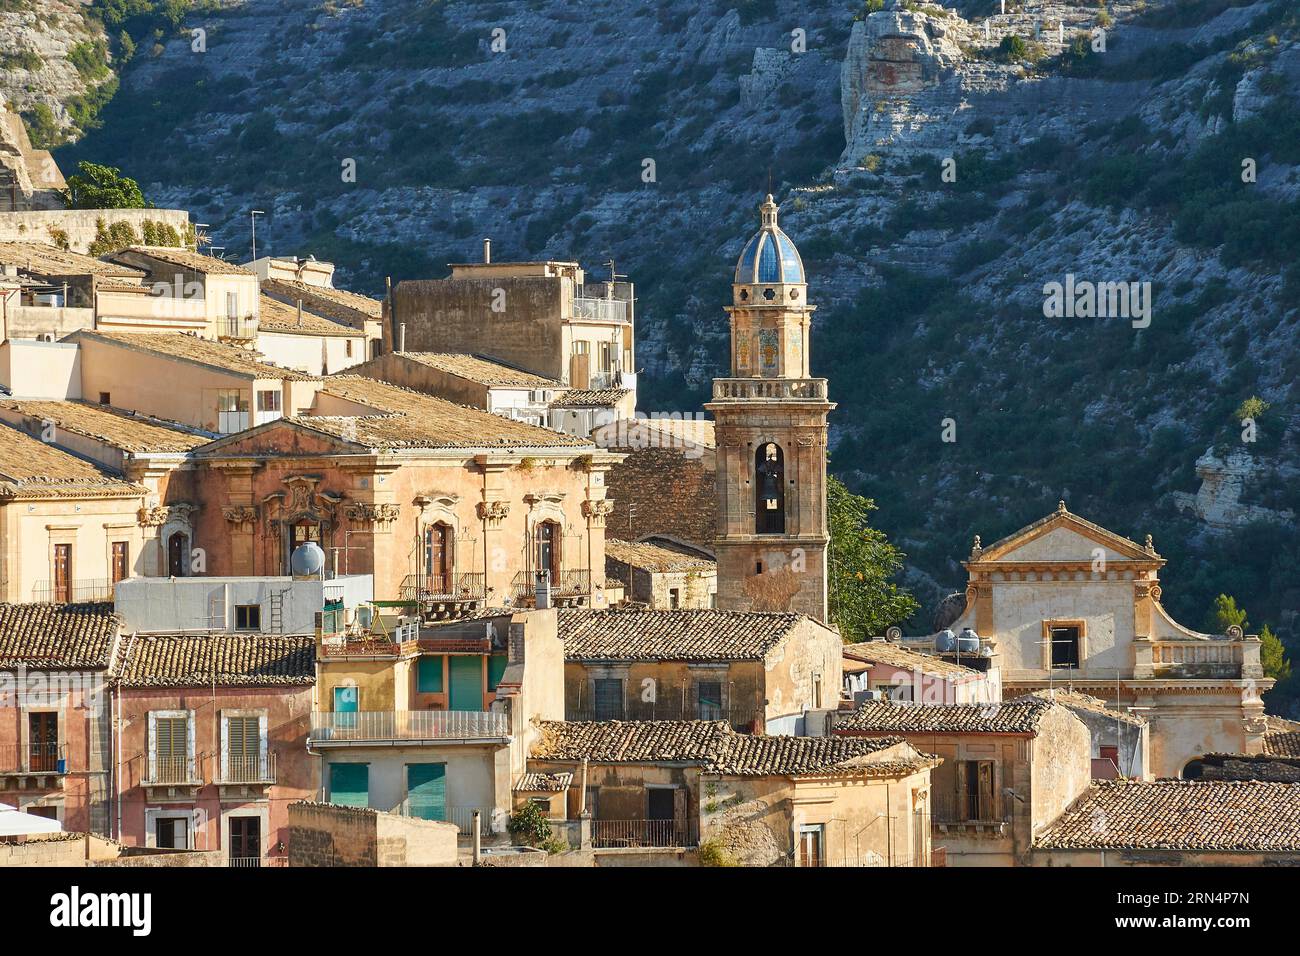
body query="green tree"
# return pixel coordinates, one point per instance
(102, 187)
(864, 600)
(1273, 656)
(1226, 614)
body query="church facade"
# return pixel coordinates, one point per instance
(1065, 603)
(771, 431)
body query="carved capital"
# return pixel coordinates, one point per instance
(242, 517)
(154, 517)
(493, 512)
(382, 515)
(598, 510)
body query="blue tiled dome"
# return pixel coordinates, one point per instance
(769, 256)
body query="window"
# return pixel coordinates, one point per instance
(606, 357)
(581, 348)
(769, 504)
(810, 845)
(62, 573)
(817, 691)
(248, 617)
(172, 833)
(428, 675)
(437, 558)
(246, 841)
(178, 547)
(674, 598)
(121, 561)
(347, 347)
(608, 695)
(1065, 645)
(170, 754)
(245, 762)
(232, 411)
(268, 400)
(43, 741)
(541, 803)
(547, 550)
(975, 790)
(232, 304)
(105, 398)
(709, 699)
(1110, 755)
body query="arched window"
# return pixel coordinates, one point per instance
(438, 557)
(769, 489)
(546, 549)
(178, 552)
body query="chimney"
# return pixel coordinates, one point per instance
(300, 313)
(542, 591)
(487, 250)
(401, 337)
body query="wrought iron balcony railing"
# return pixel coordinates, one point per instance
(608, 834)
(33, 758)
(435, 588)
(248, 768)
(568, 584)
(171, 771)
(73, 591)
(339, 727)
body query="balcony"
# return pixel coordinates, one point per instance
(587, 309)
(76, 591)
(459, 587)
(173, 773)
(463, 817)
(360, 646)
(1221, 660)
(644, 834)
(237, 328)
(774, 389)
(248, 769)
(342, 729)
(567, 587)
(33, 763)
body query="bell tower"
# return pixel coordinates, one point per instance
(770, 420)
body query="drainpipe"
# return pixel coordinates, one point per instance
(487, 251)
(401, 337)
(477, 831)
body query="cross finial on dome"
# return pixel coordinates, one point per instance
(768, 211)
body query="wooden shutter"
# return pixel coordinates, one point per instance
(350, 784)
(169, 737)
(426, 790)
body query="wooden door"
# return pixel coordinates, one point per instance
(810, 846)
(43, 741)
(176, 548)
(246, 840)
(437, 558)
(62, 573)
(120, 561)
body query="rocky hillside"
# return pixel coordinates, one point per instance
(938, 167)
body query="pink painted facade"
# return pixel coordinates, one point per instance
(211, 797)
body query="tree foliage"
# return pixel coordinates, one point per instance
(1273, 656)
(102, 187)
(864, 600)
(1226, 614)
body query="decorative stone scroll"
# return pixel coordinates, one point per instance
(381, 516)
(493, 512)
(598, 510)
(241, 517)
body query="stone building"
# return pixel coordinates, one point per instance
(662, 574)
(69, 528)
(1009, 769)
(762, 672)
(446, 506)
(60, 290)
(436, 721)
(472, 380)
(55, 739)
(544, 317)
(650, 790)
(212, 741)
(1065, 603)
(666, 486)
(899, 673)
(1176, 823)
(356, 311)
(770, 422)
(294, 338)
(227, 294)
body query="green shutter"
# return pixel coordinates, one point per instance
(426, 790)
(350, 784)
(428, 675)
(466, 683)
(496, 667)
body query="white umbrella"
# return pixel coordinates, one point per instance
(13, 822)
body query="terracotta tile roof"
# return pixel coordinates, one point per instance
(590, 398)
(411, 419)
(883, 652)
(43, 260)
(231, 659)
(1180, 815)
(656, 557)
(679, 635)
(57, 636)
(1019, 716)
(544, 783)
(121, 429)
(337, 304)
(716, 747)
(194, 261)
(30, 468)
(191, 348)
(1075, 700)
(1282, 737)
(276, 316)
(477, 368)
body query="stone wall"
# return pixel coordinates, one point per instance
(59, 850)
(321, 834)
(80, 226)
(663, 491)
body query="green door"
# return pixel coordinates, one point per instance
(350, 784)
(466, 683)
(426, 790)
